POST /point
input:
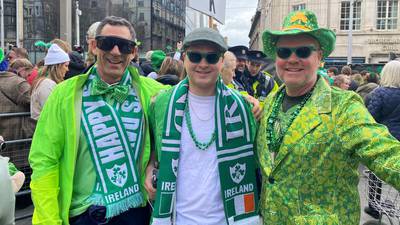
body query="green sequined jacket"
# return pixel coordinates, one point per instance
(313, 178)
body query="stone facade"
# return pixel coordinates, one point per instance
(159, 24)
(369, 44)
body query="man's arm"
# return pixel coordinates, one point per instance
(148, 184)
(23, 93)
(371, 142)
(47, 146)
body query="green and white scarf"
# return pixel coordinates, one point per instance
(114, 136)
(235, 156)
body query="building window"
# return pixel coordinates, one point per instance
(299, 7)
(387, 11)
(93, 4)
(141, 17)
(345, 15)
(140, 3)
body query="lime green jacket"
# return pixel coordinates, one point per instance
(55, 144)
(313, 178)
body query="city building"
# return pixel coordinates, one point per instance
(159, 24)
(375, 34)
(167, 24)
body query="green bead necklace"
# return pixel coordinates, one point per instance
(199, 145)
(274, 140)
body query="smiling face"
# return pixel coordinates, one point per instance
(111, 64)
(202, 75)
(240, 64)
(298, 74)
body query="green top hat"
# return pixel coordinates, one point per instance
(300, 22)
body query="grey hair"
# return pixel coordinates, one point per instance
(116, 21)
(91, 33)
(229, 60)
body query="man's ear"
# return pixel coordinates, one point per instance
(93, 45)
(183, 56)
(135, 50)
(320, 55)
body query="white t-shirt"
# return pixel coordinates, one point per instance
(199, 199)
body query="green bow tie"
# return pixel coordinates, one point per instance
(118, 92)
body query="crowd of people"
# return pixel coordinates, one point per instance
(203, 135)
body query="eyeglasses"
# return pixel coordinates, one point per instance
(211, 57)
(302, 52)
(107, 43)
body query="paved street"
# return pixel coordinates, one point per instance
(365, 219)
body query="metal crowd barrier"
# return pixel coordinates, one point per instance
(18, 151)
(383, 198)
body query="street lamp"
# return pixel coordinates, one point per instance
(78, 13)
(350, 35)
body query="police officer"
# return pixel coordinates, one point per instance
(240, 52)
(256, 83)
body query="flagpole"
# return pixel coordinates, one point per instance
(2, 23)
(350, 35)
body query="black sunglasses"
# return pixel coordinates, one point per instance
(302, 52)
(107, 43)
(211, 57)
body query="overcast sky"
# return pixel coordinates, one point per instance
(238, 16)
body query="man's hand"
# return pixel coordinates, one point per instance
(17, 181)
(256, 110)
(148, 183)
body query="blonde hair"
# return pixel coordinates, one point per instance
(340, 79)
(62, 44)
(18, 63)
(357, 78)
(172, 66)
(21, 53)
(52, 72)
(390, 75)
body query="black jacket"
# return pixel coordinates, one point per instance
(170, 79)
(384, 105)
(260, 90)
(76, 65)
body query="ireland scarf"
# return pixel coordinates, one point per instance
(236, 162)
(114, 136)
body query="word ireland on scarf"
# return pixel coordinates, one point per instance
(234, 144)
(114, 136)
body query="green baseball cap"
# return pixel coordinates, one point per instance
(300, 22)
(205, 35)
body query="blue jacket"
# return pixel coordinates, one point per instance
(384, 105)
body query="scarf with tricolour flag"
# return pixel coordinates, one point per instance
(113, 131)
(236, 163)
